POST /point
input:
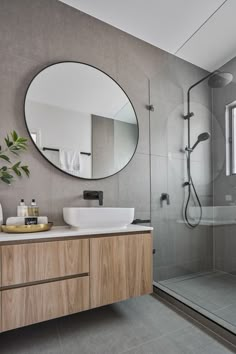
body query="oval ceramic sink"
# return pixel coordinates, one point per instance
(87, 218)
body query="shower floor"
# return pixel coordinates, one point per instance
(214, 292)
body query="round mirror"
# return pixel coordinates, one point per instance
(81, 120)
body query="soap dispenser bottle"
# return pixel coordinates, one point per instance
(34, 209)
(22, 209)
(1, 216)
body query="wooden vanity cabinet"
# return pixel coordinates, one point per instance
(120, 268)
(45, 279)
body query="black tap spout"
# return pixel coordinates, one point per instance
(94, 195)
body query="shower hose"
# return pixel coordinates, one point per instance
(191, 187)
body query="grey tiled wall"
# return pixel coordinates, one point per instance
(37, 33)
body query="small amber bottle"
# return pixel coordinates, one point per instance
(33, 209)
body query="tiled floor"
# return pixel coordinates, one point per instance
(215, 292)
(143, 325)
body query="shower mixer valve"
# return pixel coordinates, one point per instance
(189, 115)
(165, 196)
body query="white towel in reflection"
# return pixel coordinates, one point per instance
(70, 160)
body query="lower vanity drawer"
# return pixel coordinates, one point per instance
(31, 262)
(37, 303)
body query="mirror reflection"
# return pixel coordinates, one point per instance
(81, 120)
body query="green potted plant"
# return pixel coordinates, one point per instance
(14, 145)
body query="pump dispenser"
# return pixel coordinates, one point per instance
(33, 209)
(22, 209)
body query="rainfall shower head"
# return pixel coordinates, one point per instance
(220, 79)
(201, 137)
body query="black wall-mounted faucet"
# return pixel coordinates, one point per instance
(94, 195)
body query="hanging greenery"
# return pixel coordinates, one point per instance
(14, 146)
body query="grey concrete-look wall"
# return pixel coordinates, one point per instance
(37, 33)
(224, 236)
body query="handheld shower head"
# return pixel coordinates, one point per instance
(201, 137)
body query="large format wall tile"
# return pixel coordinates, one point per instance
(134, 184)
(37, 33)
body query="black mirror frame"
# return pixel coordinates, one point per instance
(58, 168)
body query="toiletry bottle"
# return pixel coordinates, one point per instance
(1, 216)
(22, 209)
(34, 209)
(30, 210)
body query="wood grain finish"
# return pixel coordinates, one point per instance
(120, 268)
(41, 281)
(32, 304)
(32, 262)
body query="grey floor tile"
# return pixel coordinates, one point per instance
(111, 329)
(191, 340)
(164, 345)
(215, 292)
(140, 325)
(216, 348)
(40, 338)
(229, 313)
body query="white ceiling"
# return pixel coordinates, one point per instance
(202, 32)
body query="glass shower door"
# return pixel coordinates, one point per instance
(167, 166)
(196, 265)
(180, 250)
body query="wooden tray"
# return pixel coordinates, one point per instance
(18, 229)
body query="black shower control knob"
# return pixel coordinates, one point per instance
(150, 107)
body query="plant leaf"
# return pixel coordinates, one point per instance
(21, 140)
(26, 170)
(15, 168)
(4, 157)
(14, 135)
(16, 165)
(6, 174)
(15, 144)
(15, 152)
(6, 180)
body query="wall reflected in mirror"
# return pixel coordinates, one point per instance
(81, 120)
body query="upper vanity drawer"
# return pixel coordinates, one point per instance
(24, 263)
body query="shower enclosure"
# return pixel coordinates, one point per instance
(195, 259)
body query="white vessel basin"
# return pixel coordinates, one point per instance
(88, 218)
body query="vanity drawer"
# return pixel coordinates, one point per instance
(31, 262)
(42, 302)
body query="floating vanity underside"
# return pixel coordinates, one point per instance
(53, 274)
